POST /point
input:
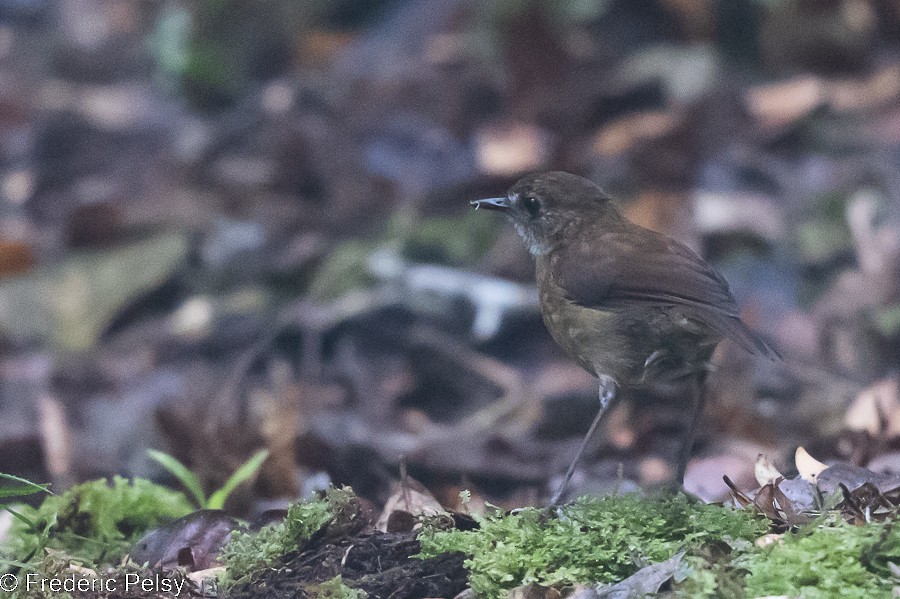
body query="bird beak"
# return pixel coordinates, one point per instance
(501, 204)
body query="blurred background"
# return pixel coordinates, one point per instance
(235, 224)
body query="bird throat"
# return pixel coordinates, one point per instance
(538, 244)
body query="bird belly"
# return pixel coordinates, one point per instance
(636, 346)
(590, 336)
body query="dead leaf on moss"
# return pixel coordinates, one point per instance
(766, 540)
(867, 503)
(854, 477)
(646, 581)
(192, 541)
(408, 501)
(765, 471)
(808, 467)
(801, 493)
(534, 591)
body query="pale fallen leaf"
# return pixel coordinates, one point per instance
(765, 471)
(868, 93)
(801, 493)
(6, 520)
(202, 575)
(718, 212)
(808, 467)
(622, 134)
(505, 149)
(704, 475)
(654, 470)
(766, 540)
(414, 501)
(886, 463)
(55, 435)
(207, 581)
(873, 404)
(780, 104)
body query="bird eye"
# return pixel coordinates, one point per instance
(532, 205)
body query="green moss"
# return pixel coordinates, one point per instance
(455, 241)
(709, 573)
(595, 540)
(887, 319)
(249, 553)
(95, 522)
(833, 559)
(344, 270)
(333, 589)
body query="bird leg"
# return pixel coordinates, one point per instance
(698, 399)
(608, 392)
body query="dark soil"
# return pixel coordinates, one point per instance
(381, 564)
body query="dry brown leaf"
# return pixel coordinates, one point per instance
(416, 502)
(534, 591)
(16, 257)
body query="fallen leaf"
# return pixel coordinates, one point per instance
(853, 477)
(192, 541)
(765, 471)
(409, 500)
(622, 134)
(766, 540)
(719, 212)
(801, 493)
(534, 591)
(646, 581)
(874, 405)
(73, 302)
(778, 105)
(808, 467)
(511, 148)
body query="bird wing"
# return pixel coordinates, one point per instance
(616, 270)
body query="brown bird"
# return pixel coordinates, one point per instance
(632, 306)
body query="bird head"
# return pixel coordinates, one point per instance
(543, 206)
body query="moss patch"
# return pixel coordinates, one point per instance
(592, 540)
(253, 552)
(95, 522)
(828, 559)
